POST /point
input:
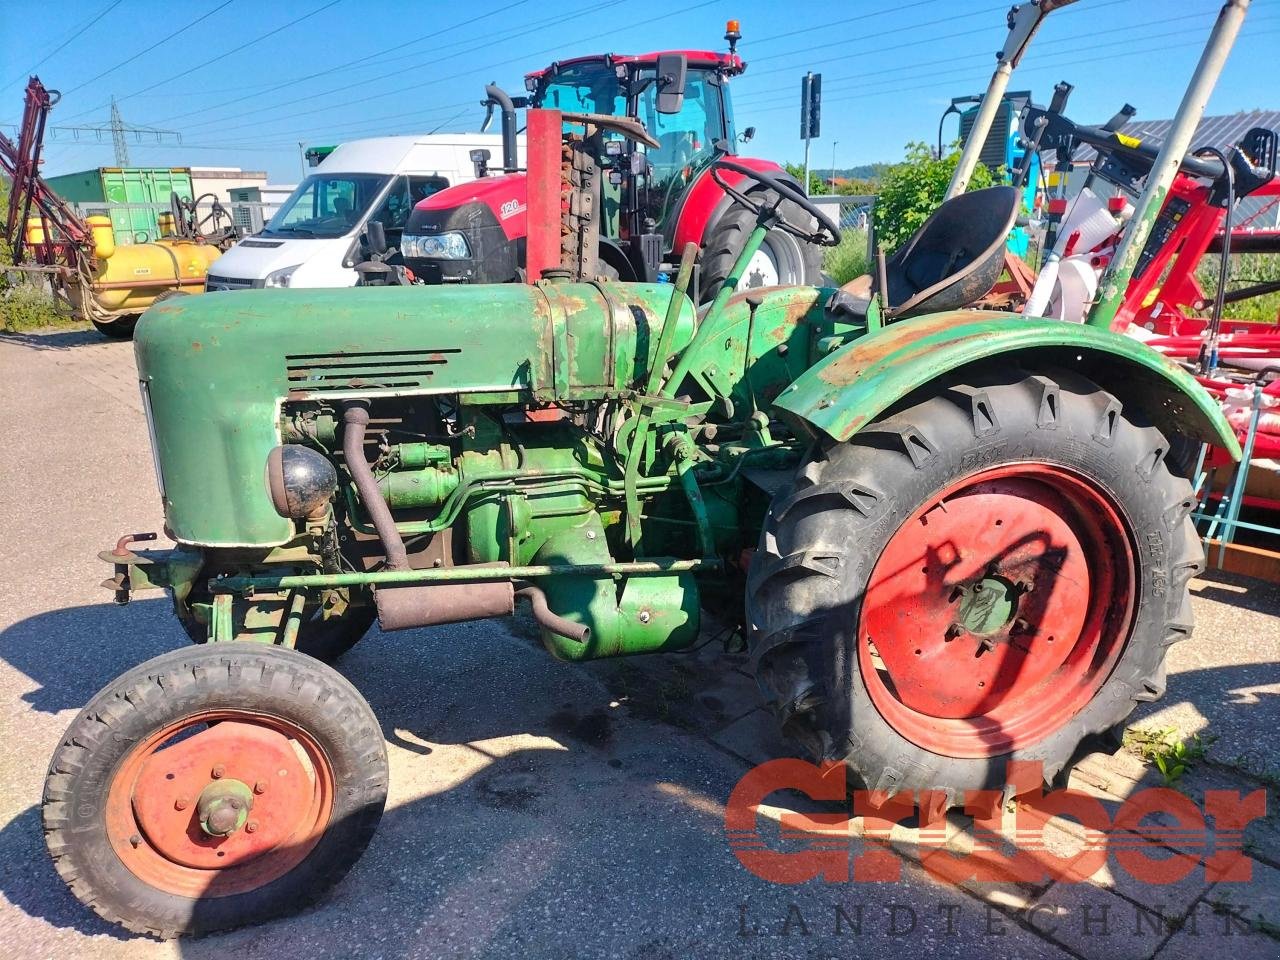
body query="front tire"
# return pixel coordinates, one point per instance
(993, 572)
(781, 260)
(214, 788)
(121, 329)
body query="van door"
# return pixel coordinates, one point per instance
(398, 203)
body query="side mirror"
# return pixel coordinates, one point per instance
(672, 70)
(480, 160)
(376, 237)
(747, 135)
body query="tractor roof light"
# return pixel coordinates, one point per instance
(732, 34)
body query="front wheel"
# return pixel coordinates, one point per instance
(214, 787)
(994, 572)
(782, 259)
(118, 329)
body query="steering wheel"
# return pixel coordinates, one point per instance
(828, 232)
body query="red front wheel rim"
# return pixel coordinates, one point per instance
(997, 610)
(160, 803)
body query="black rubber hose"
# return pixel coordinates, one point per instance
(1209, 353)
(355, 420)
(576, 632)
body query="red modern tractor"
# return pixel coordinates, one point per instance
(658, 123)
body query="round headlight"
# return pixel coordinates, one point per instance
(301, 481)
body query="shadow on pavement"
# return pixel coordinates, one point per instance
(60, 340)
(73, 652)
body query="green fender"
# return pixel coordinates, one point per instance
(855, 384)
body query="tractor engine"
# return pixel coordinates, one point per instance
(462, 441)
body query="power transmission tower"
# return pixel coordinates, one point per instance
(117, 136)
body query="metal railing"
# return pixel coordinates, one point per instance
(140, 222)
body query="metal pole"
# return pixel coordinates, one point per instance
(806, 166)
(1115, 280)
(834, 144)
(1024, 20)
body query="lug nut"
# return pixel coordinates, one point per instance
(1025, 586)
(260, 786)
(954, 631)
(644, 616)
(182, 803)
(218, 771)
(1020, 624)
(136, 840)
(251, 826)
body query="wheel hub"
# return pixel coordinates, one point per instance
(223, 797)
(996, 610)
(224, 807)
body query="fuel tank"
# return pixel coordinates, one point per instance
(216, 369)
(130, 277)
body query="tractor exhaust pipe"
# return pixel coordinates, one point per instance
(355, 422)
(402, 608)
(496, 95)
(548, 620)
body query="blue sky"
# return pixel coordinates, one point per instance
(333, 70)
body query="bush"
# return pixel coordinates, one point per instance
(1246, 270)
(910, 191)
(23, 307)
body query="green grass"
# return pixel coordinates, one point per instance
(848, 260)
(1246, 270)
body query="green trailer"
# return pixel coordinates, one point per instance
(134, 197)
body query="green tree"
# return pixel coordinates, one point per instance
(911, 190)
(817, 186)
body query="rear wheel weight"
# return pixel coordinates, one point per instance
(166, 809)
(868, 636)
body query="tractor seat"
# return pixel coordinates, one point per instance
(953, 260)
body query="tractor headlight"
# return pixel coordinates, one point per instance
(300, 480)
(442, 246)
(281, 277)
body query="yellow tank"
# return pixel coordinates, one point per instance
(134, 275)
(104, 237)
(35, 231)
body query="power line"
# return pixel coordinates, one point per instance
(842, 81)
(187, 71)
(60, 46)
(481, 69)
(141, 53)
(376, 54)
(1023, 71)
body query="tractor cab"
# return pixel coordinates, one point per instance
(683, 101)
(653, 195)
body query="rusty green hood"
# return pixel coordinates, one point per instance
(216, 369)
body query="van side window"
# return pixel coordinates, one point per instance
(395, 207)
(422, 187)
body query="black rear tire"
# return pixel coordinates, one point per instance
(825, 533)
(121, 329)
(242, 677)
(795, 260)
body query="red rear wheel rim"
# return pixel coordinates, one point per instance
(152, 810)
(997, 610)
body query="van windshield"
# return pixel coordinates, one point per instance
(326, 205)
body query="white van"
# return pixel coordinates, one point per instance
(314, 238)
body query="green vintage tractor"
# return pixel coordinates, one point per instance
(952, 536)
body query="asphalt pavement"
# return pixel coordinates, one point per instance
(539, 809)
